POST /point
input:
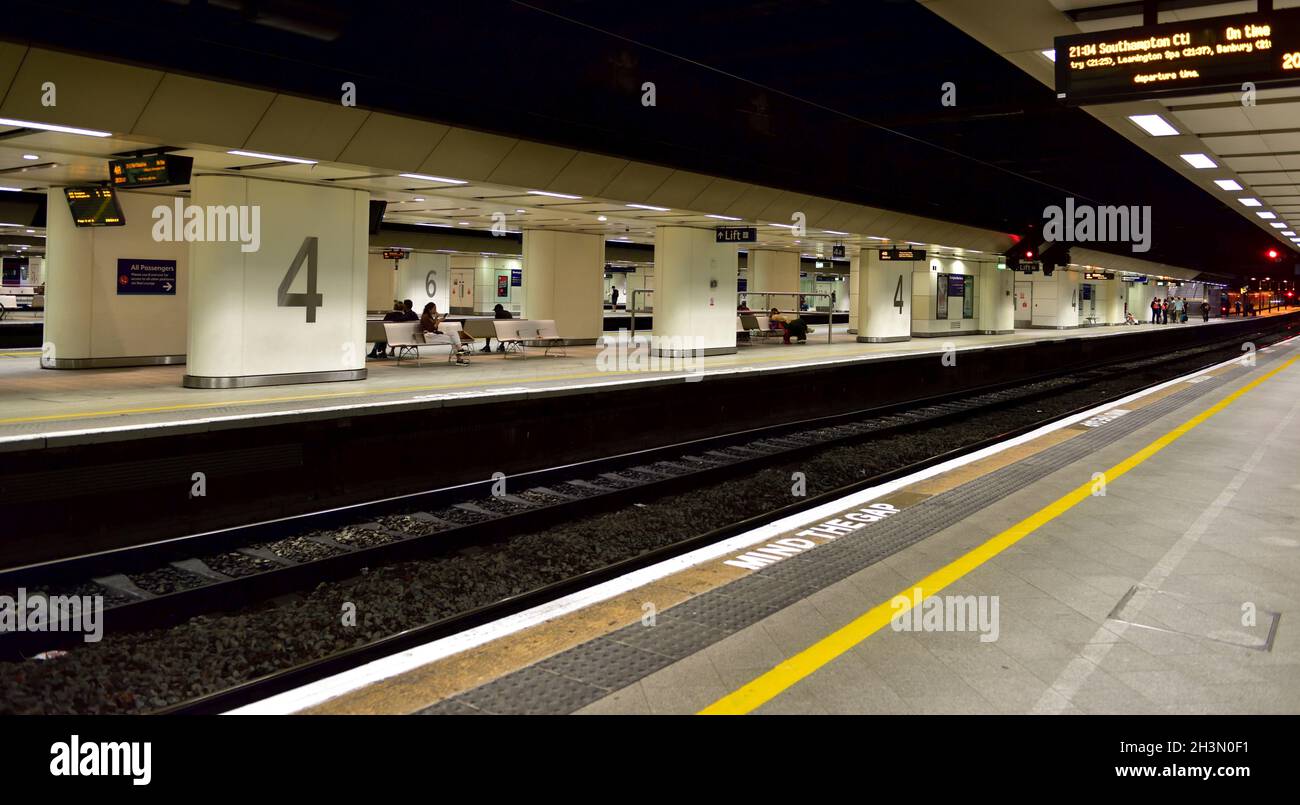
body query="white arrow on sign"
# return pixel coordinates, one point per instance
(167, 286)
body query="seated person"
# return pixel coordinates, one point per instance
(408, 311)
(499, 312)
(790, 327)
(429, 325)
(396, 314)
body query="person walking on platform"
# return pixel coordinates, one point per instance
(1155, 311)
(1238, 307)
(1205, 310)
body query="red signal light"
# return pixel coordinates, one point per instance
(1272, 254)
(1029, 254)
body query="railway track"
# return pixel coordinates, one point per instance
(165, 583)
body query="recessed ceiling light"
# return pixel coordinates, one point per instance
(873, 237)
(649, 207)
(834, 232)
(1228, 184)
(1251, 202)
(463, 223)
(417, 198)
(722, 217)
(12, 190)
(1278, 225)
(552, 195)
(274, 157)
(28, 124)
(1198, 161)
(1266, 215)
(1050, 55)
(30, 156)
(1155, 125)
(1288, 233)
(521, 210)
(601, 218)
(783, 226)
(425, 178)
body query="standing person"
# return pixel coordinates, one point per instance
(380, 350)
(1205, 310)
(1155, 310)
(1238, 307)
(613, 297)
(1181, 304)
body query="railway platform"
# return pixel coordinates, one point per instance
(67, 407)
(1138, 558)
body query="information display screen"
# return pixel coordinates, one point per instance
(1198, 56)
(155, 170)
(94, 206)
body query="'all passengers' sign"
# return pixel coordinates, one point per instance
(146, 277)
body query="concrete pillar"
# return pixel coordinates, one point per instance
(997, 304)
(381, 281)
(35, 270)
(854, 263)
(771, 270)
(694, 283)
(1114, 298)
(255, 317)
(883, 307)
(91, 319)
(564, 274)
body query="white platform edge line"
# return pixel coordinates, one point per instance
(331, 687)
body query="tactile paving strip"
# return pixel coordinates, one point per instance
(577, 677)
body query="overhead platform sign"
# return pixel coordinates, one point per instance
(902, 254)
(736, 234)
(1219, 54)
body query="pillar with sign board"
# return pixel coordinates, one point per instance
(290, 308)
(115, 295)
(883, 305)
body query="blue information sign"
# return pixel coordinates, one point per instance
(517, 277)
(146, 277)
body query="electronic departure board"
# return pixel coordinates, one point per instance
(1210, 55)
(154, 170)
(94, 206)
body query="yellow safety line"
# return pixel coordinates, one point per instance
(782, 677)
